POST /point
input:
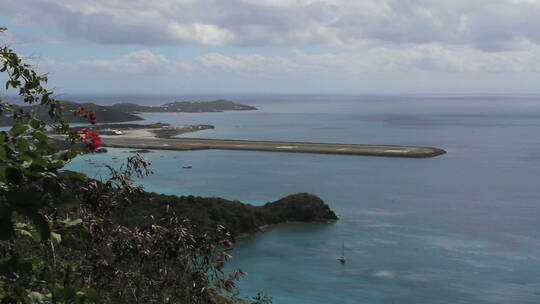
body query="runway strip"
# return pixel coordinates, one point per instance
(274, 146)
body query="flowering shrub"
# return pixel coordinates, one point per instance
(91, 139)
(58, 241)
(88, 114)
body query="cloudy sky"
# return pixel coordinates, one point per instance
(280, 46)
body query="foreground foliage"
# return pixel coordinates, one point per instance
(58, 240)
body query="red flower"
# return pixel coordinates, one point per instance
(91, 115)
(91, 139)
(88, 114)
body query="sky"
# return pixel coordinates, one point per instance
(280, 46)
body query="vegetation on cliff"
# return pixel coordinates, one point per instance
(236, 217)
(66, 238)
(60, 244)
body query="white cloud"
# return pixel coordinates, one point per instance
(489, 25)
(417, 69)
(250, 63)
(427, 58)
(139, 62)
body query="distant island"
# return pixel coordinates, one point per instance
(124, 112)
(184, 106)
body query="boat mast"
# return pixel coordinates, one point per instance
(342, 259)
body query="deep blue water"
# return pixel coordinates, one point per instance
(460, 228)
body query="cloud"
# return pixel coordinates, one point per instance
(412, 70)
(139, 62)
(426, 58)
(488, 25)
(250, 63)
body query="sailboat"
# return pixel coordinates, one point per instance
(342, 258)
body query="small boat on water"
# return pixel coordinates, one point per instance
(342, 258)
(187, 166)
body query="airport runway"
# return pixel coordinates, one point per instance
(274, 146)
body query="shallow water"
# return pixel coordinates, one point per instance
(459, 228)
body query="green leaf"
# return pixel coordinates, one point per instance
(73, 175)
(19, 128)
(35, 159)
(67, 202)
(57, 164)
(25, 232)
(35, 123)
(71, 223)
(65, 155)
(40, 136)
(43, 146)
(88, 294)
(24, 145)
(36, 297)
(57, 238)
(42, 227)
(3, 154)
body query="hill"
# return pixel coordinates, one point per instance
(104, 113)
(184, 106)
(237, 217)
(123, 112)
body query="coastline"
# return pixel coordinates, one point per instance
(265, 228)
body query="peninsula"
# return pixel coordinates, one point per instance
(184, 106)
(239, 218)
(141, 138)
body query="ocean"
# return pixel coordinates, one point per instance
(463, 227)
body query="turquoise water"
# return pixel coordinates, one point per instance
(460, 228)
